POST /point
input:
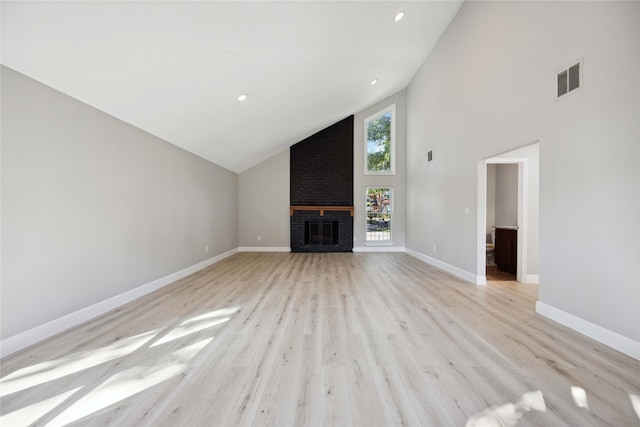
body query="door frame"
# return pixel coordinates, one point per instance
(523, 208)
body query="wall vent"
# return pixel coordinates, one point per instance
(569, 80)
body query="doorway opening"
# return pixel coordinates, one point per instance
(508, 216)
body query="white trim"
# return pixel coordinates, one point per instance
(24, 339)
(613, 339)
(523, 221)
(378, 243)
(465, 275)
(481, 224)
(392, 166)
(379, 249)
(533, 279)
(264, 249)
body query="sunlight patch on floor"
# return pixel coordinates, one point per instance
(579, 397)
(216, 313)
(635, 402)
(129, 382)
(182, 331)
(47, 371)
(198, 323)
(30, 414)
(509, 414)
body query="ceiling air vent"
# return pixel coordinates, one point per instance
(569, 80)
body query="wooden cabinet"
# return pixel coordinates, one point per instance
(506, 249)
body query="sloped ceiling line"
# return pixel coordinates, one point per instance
(175, 69)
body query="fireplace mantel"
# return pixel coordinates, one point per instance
(321, 209)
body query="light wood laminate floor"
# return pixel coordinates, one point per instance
(317, 339)
(495, 275)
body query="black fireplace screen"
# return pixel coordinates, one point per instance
(321, 232)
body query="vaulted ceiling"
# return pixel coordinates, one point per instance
(176, 69)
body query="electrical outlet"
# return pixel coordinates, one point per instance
(466, 211)
(434, 248)
(259, 238)
(206, 248)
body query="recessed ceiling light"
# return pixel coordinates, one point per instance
(242, 97)
(398, 16)
(374, 81)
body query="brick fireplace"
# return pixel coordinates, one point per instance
(321, 188)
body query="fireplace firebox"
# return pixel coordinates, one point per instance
(318, 232)
(332, 232)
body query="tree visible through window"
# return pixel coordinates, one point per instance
(379, 144)
(379, 211)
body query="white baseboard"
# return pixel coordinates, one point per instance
(465, 275)
(264, 249)
(379, 249)
(605, 336)
(533, 279)
(24, 339)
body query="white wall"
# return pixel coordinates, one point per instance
(489, 87)
(93, 207)
(506, 195)
(397, 181)
(264, 204)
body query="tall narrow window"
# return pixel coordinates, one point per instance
(379, 214)
(379, 144)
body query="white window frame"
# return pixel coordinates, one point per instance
(391, 213)
(392, 170)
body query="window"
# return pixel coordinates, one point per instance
(379, 144)
(379, 213)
